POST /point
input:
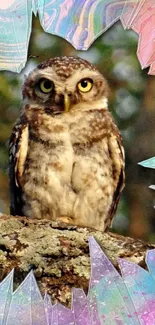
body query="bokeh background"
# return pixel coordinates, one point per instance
(131, 101)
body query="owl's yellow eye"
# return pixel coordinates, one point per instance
(85, 85)
(46, 86)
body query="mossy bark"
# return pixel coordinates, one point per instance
(58, 254)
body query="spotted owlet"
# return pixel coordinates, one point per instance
(66, 155)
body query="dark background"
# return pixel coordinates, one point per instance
(131, 101)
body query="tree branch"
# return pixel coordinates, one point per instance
(58, 254)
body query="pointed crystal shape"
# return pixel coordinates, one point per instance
(111, 300)
(84, 317)
(105, 285)
(48, 309)
(79, 301)
(141, 287)
(150, 261)
(62, 315)
(149, 163)
(6, 289)
(80, 307)
(27, 305)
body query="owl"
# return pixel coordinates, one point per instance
(66, 160)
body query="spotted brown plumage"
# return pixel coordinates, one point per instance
(66, 154)
(15, 144)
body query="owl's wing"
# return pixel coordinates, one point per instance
(18, 148)
(116, 152)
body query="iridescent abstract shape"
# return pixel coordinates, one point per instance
(129, 11)
(15, 29)
(111, 300)
(62, 315)
(54, 318)
(79, 301)
(108, 296)
(6, 290)
(143, 24)
(27, 305)
(80, 22)
(48, 309)
(150, 260)
(101, 267)
(141, 287)
(140, 17)
(80, 307)
(149, 163)
(84, 317)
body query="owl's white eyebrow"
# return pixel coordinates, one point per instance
(81, 74)
(48, 73)
(84, 73)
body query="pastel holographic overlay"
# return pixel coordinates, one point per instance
(112, 299)
(80, 22)
(149, 163)
(15, 30)
(142, 21)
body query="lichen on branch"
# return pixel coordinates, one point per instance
(58, 253)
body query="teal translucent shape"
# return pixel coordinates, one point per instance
(141, 287)
(149, 163)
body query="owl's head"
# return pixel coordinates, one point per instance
(62, 84)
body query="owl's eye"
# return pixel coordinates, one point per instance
(85, 85)
(45, 86)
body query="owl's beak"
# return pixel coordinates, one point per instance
(67, 103)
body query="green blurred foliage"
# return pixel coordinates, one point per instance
(131, 101)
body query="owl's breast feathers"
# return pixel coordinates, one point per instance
(71, 157)
(95, 136)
